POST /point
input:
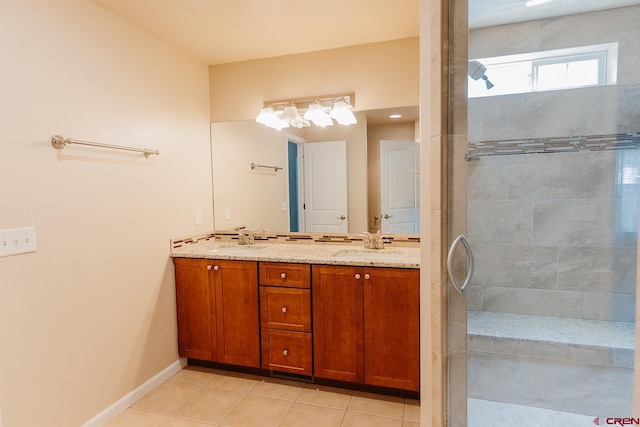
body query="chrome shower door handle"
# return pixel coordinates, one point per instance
(470, 264)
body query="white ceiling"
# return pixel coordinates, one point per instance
(220, 31)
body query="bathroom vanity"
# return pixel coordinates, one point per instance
(312, 311)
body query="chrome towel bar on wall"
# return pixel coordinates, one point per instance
(58, 142)
(275, 168)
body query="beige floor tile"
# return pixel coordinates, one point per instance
(354, 419)
(190, 375)
(285, 390)
(258, 411)
(209, 405)
(136, 418)
(181, 422)
(412, 411)
(239, 383)
(303, 415)
(167, 397)
(375, 404)
(325, 396)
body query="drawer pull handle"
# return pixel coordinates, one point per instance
(283, 275)
(357, 276)
(209, 267)
(367, 276)
(284, 309)
(216, 267)
(285, 352)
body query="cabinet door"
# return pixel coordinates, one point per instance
(236, 285)
(195, 303)
(391, 328)
(338, 323)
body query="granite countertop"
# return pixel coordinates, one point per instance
(329, 254)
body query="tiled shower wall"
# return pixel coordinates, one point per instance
(549, 236)
(546, 228)
(600, 110)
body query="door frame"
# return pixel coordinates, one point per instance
(299, 141)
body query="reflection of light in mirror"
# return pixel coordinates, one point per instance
(395, 116)
(536, 2)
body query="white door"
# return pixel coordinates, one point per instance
(400, 187)
(325, 185)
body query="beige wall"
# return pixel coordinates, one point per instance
(91, 314)
(380, 74)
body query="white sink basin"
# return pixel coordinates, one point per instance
(369, 254)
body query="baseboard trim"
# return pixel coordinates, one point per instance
(133, 396)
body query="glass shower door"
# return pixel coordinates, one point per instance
(544, 183)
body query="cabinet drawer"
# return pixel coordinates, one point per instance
(286, 351)
(284, 308)
(284, 274)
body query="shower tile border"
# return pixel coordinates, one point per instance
(619, 141)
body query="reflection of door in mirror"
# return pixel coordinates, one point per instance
(399, 187)
(325, 187)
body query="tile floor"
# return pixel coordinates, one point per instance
(200, 397)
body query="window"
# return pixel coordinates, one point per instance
(548, 70)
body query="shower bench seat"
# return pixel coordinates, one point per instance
(566, 364)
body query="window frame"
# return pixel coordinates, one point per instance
(606, 54)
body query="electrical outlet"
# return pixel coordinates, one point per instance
(198, 216)
(14, 241)
(227, 212)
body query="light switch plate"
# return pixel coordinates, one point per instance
(14, 241)
(198, 216)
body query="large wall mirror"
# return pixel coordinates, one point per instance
(375, 187)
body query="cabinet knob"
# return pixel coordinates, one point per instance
(209, 267)
(367, 276)
(285, 352)
(283, 275)
(284, 309)
(357, 276)
(216, 267)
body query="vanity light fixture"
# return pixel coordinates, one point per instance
(395, 116)
(268, 117)
(317, 115)
(341, 113)
(301, 112)
(292, 116)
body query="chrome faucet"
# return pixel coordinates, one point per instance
(373, 241)
(244, 237)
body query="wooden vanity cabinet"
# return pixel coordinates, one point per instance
(196, 309)
(285, 318)
(338, 339)
(217, 305)
(366, 325)
(392, 328)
